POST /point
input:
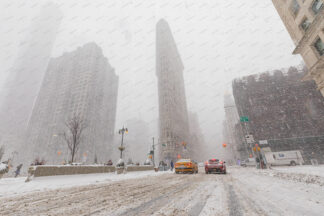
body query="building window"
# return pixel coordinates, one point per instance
(305, 24)
(294, 7)
(317, 5)
(319, 45)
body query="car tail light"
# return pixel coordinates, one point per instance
(189, 164)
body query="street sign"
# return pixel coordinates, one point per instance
(263, 142)
(163, 144)
(244, 119)
(249, 139)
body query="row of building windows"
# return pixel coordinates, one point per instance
(316, 6)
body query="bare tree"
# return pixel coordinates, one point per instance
(73, 135)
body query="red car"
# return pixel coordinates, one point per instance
(215, 166)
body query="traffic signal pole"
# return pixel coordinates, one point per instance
(153, 148)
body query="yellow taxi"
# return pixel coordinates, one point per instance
(186, 166)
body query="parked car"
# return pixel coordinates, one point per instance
(109, 163)
(248, 162)
(186, 166)
(215, 166)
(282, 158)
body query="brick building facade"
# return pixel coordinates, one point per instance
(284, 110)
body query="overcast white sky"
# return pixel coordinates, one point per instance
(218, 40)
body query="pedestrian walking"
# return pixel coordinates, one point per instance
(17, 172)
(172, 165)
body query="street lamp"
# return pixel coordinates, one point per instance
(121, 147)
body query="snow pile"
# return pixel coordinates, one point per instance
(3, 168)
(306, 169)
(120, 163)
(16, 186)
(304, 174)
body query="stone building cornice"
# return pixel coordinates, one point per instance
(314, 73)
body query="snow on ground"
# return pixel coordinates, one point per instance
(306, 169)
(241, 192)
(304, 174)
(16, 186)
(278, 196)
(215, 203)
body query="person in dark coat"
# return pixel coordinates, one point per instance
(17, 172)
(172, 165)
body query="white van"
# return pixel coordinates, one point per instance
(284, 158)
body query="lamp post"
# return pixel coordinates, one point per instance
(121, 147)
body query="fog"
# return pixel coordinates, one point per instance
(217, 41)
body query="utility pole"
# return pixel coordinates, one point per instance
(244, 120)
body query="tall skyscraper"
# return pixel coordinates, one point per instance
(79, 83)
(173, 114)
(304, 20)
(24, 80)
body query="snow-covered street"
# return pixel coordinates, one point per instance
(243, 191)
(17, 186)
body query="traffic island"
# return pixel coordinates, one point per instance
(133, 168)
(50, 170)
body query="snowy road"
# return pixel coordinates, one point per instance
(243, 191)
